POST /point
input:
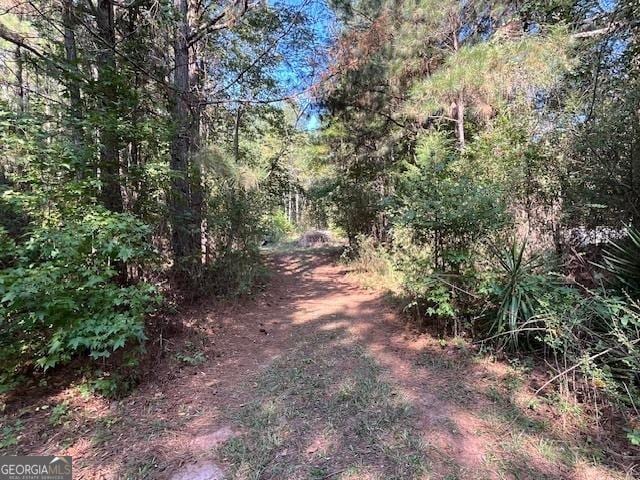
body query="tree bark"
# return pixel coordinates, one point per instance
(179, 197)
(186, 218)
(19, 80)
(635, 171)
(109, 143)
(460, 99)
(72, 83)
(236, 135)
(460, 120)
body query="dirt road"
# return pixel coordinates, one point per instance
(316, 378)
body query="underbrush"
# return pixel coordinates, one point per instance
(74, 288)
(80, 295)
(515, 302)
(373, 266)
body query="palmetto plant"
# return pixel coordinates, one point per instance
(516, 289)
(622, 260)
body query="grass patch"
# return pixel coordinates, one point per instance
(313, 420)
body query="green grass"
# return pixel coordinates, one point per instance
(311, 419)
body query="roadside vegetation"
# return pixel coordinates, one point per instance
(473, 181)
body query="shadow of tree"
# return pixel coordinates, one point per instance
(320, 379)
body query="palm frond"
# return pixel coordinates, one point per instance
(622, 260)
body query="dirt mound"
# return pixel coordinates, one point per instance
(313, 238)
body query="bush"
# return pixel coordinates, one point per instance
(516, 285)
(599, 335)
(372, 264)
(622, 260)
(277, 226)
(371, 257)
(235, 231)
(595, 333)
(66, 292)
(445, 207)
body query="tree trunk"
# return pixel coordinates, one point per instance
(460, 120)
(196, 84)
(109, 144)
(236, 135)
(19, 80)
(72, 83)
(185, 214)
(635, 172)
(460, 98)
(179, 196)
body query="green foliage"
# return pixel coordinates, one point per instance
(7, 249)
(622, 260)
(355, 206)
(444, 206)
(516, 288)
(9, 434)
(235, 229)
(634, 437)
(66, 291)
(277, 226)
(432, 298)
(492, 72)
(191, 359)
(59, 414)
(190, 355)
(107, 384)
(600, 334)
(549, 124)
(370, 257)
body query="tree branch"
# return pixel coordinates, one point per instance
(231, 14)
(19, 40)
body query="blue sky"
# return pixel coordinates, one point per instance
(302, 67)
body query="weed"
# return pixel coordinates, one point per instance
(512, 382)
(9, 434)
(634, 437)
(103, 432)
(60, 414)
(495, 395)
(193, 359)
(142, 469)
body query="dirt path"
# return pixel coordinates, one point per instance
(317, 378)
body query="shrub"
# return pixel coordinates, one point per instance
(235, 231)
(372, 264)
(599, 335)
(277, 226)
(514, 287)
(595, 333)
(66, 292)
(622, 260)
(443, 206)
(371, 257)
